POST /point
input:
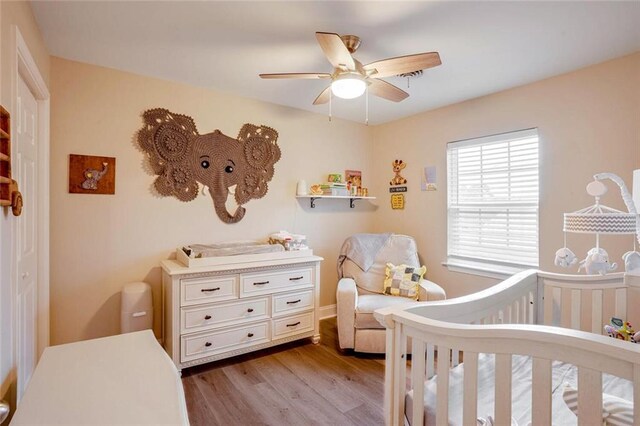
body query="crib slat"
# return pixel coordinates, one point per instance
(455, 358)
(470, 403)
(621, 303)
(430, 361)
(522, 317)
(389, 370)
(503, 389)
(585, 314)
(533, 311)
(608, 306)
(548, 305)
(636, 395)
(596, 312)
(589, 395)
(442, 387)
(575, 309)
(417, 380)
(400, 373)
(565, 307)
(541, 392)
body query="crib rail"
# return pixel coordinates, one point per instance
(502, 321)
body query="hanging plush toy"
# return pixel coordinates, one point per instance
(597, 262)
(631, 262)
(565, 258)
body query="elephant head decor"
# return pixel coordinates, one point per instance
(182, 158)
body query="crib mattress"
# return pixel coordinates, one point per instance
(126, 379)
(521, 383)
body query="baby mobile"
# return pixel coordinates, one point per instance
(600, 219)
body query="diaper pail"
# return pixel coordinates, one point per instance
(136, 311)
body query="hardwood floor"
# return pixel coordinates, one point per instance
(297, 383)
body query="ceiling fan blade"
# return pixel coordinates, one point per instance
(386, 90)
(307, 75)
(323, 97)
(403, 64)
(335, 50)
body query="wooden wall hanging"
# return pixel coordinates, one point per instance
(182, 158)
(89, 174)
(9, 193)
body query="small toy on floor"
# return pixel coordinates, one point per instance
(622, 330)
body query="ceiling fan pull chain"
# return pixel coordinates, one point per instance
(330, 97)
(408, 82)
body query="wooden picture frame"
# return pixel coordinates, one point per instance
(90, 174)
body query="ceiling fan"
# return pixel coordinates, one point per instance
(350, 78)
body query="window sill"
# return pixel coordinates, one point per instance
(483, 269)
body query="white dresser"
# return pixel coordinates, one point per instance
(216, 312)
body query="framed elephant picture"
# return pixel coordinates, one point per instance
(183, 159)
(90, 174)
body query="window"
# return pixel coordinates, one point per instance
(492, 203)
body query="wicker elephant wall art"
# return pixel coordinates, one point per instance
(182, 158)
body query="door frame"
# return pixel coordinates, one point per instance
(25, 67)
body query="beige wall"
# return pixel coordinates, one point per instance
(12, 15)
(588, 121)
(100, 242)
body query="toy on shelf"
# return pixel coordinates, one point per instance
(600, 219)
(622, 330)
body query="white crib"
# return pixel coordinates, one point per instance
(549, 317)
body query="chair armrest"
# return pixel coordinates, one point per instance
(431, 291)
(346, 301)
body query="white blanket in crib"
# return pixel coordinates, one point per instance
(520, 392)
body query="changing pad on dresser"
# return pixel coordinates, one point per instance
(117, 380)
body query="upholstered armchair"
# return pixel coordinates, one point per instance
(361, 292)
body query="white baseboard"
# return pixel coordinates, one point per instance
(328, 311)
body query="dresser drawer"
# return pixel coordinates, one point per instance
(202, 317)
(292, 302)
(203, 290)
(206, 344)
(293, 324)
(271, 282)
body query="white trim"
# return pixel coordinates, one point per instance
(327, 311)
(500, 137)
(490, 270)
(26, 68)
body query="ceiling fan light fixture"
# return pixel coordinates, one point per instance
(348, 85)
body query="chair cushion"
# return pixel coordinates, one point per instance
(368, 303)
(398, 249)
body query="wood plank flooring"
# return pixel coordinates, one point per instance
(297, 383)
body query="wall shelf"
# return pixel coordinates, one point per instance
(351, 198)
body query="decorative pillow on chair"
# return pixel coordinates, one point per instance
(615, 411)
(403, 280)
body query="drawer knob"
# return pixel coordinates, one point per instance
(294, 324)
(207, 317)
(294, 302)
(250, 310)
(207, 344)
(205, 290)
(261, 283)
(250, 335)
(295, 278)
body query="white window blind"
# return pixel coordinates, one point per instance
(493, 199)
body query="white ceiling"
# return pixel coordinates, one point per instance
(485, 46)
